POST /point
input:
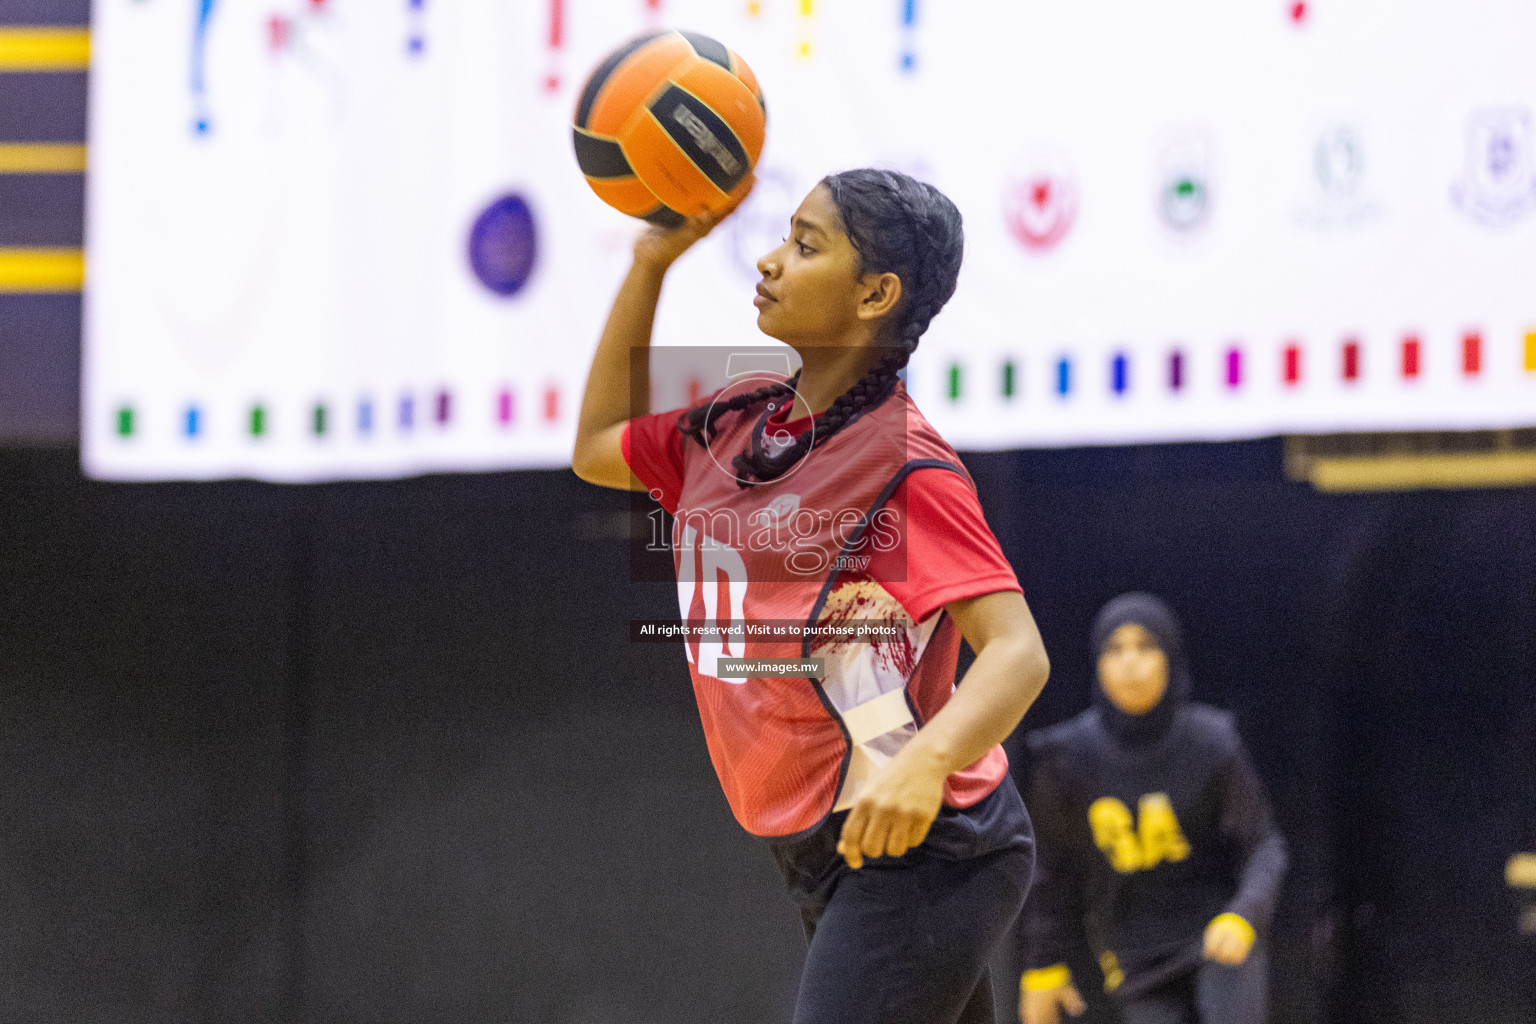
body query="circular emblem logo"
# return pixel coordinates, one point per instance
(1184, 184)
(1185, 202)
(503, 245)
(1338, 161)
(1498, 184)
(1039, 209)
(1340, 197)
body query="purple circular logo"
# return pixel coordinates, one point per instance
(503, 245)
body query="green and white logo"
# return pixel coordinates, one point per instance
(1184, 185)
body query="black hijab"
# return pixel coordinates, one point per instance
(1152, 614)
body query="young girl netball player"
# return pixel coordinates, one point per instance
(880, 786)
(1155, 831)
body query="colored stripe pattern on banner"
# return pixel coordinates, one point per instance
(1472, 354)
(1290, 372)
(192, 419)
(1411, 349)
(1351, 356)
(1471, 347)
(1119, 374)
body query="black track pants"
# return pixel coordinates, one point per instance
(907, 942)
(1213, 994)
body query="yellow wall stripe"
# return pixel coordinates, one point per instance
(45, 48)
(1530, 351)
(1411, 472)
(41, 158)
(42, 270)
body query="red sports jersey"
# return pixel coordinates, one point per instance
(830, 541)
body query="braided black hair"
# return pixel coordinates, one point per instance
(899, 225)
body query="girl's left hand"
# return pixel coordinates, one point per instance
(894, 812)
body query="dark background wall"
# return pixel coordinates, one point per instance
(382, 752)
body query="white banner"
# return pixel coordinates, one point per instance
(336, 238)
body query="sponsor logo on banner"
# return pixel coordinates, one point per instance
(1184, 186)
(1040, 208)
(1498, 182)
(1338, 174)
(504, 245)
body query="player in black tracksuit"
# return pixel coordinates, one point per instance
(1155, 842)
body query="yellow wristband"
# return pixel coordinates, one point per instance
(1240, 922)
(1042, 979)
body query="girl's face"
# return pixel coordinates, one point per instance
(812, 291)
(1133, 670)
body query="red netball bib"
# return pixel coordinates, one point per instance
(753, 561)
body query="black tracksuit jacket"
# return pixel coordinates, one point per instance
(1116, 868)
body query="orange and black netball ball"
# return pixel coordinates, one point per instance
(669, 125)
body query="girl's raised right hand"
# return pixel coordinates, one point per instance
(660, 247)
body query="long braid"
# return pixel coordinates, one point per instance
(870, 390)
(896, 224)
(699, 421)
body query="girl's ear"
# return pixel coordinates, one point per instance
(879, 294)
